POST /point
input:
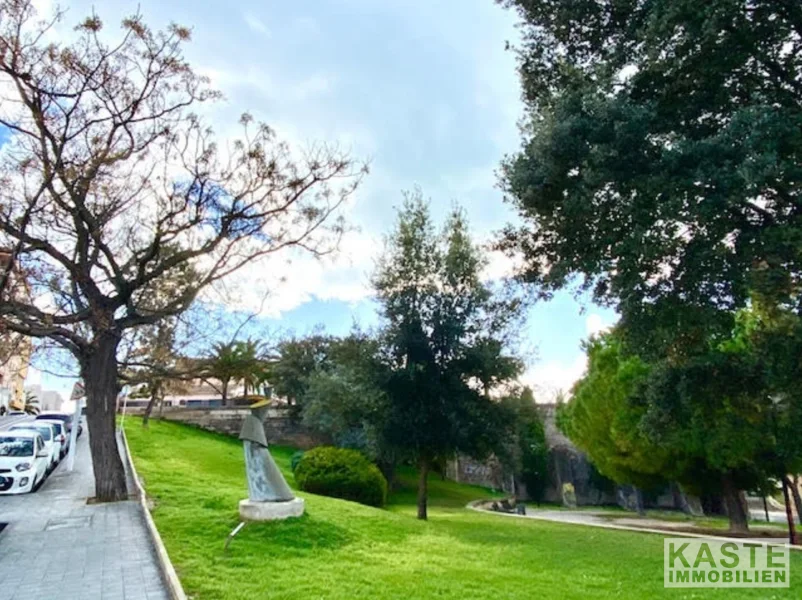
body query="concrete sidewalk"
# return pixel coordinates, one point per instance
(58, 547)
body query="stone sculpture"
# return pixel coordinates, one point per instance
(269, 496)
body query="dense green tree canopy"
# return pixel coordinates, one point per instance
(444, 333)
(345, 396)
(603, 422)
(774, 337)
(662, 157)
(736, 407)
(722, 420)
(298, 359)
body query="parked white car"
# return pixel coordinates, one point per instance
(23, 461)
(49, 433)
(65, 418)
(62, 439)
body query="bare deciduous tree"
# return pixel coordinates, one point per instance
(110, 184)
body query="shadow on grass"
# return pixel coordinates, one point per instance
(294, 537)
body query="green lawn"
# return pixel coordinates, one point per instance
(344, 550)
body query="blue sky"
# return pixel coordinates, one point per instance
(424, 90)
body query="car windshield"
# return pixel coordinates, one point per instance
(16, 446)
(44, 430)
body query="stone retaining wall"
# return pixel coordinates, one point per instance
(570, 469)
(281, 428)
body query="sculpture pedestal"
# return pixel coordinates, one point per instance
(270, 511)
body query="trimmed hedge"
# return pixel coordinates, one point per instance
(341, 473)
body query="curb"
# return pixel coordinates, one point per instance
(168, 571)
(474, 506)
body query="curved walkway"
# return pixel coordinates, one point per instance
(56, 546)
(591, 519)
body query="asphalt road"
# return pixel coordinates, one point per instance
(7, 422)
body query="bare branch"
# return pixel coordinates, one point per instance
(117, 203)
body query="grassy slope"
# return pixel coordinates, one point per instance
(345, 550)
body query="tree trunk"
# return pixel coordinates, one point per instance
(99, 372)
(733, 505)
(224, 391)
(678, 498)
(149, 410)
(794, 484)
(683, 502)
(423, 488)
(766, 509)
(639, 502)
(154, 396)
(387, 467)
(788, 514)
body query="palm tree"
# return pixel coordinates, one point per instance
(235, 361)
(250, 365)
(224, 365)
(31, 404)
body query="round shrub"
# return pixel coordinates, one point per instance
(341, 473)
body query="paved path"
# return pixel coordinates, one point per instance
(775, 516)
(604, 520)
(58, 547)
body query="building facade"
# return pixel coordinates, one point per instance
(15, 349)
(49, 400)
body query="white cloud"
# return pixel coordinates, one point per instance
(44, 8)
(548, 379)
(594, 324)
(279, 284)
(46, 302)
(312, 86)
(500, 266)
(250, 79)
(34, 377)
(255, 24)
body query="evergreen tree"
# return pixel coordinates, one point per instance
(662, 158)
(444, 333)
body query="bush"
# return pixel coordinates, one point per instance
(341, 473)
